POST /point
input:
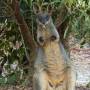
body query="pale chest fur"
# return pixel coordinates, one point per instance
(54, 61)
(51, 60)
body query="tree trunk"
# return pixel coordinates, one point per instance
(24, 29)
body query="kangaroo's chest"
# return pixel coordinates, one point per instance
(50, 60)
(54, 61)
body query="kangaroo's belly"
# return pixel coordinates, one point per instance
(54, 61)
(51, 61)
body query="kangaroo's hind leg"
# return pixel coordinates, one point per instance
(40, 81)
(71, 79)
(62, 86)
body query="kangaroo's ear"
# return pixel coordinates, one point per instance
(44, 7)
(50, 9)
(36, 8)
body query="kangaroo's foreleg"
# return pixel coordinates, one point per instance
(40, 81)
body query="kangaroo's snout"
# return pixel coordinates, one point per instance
(43, 40)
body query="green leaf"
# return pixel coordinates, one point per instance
(2, 80)
(12, 79)
(25, 1)
(70, 2)
(30, 2)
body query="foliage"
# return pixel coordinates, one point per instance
(11, 53)
(12, 48)
(78, 15)
(80, 20)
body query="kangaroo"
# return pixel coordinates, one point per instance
(52, 69)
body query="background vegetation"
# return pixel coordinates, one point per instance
(70, 16)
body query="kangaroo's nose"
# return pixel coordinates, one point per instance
(53, 37)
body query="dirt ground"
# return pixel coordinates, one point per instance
(30, 88)
(82, 88)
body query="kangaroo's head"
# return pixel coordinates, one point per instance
(46, 30)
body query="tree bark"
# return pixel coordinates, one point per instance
(24, 29)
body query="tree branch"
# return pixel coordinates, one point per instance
(62, 21)
(22, 24)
